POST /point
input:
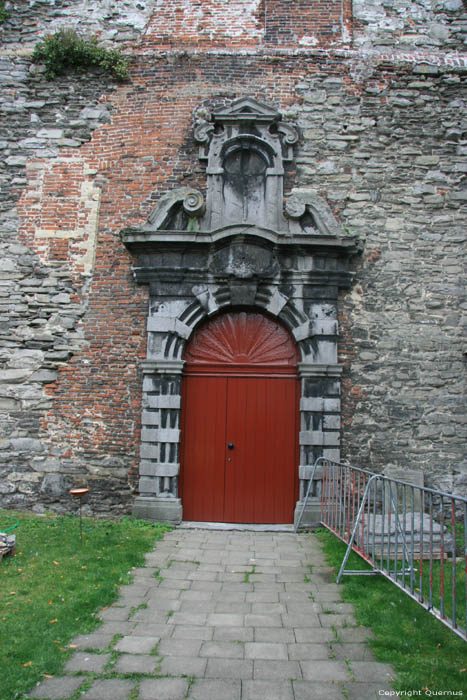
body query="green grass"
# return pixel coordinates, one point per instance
(425, 654)
(53, 587)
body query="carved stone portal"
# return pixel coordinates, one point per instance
(238, 248)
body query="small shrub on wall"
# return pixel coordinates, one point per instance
(67, 50)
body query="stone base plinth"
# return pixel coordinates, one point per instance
(162, 510)
(311, 515)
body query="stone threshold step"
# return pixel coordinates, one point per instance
(190, 525)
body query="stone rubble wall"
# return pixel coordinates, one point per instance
(383, 141)
(408, 25)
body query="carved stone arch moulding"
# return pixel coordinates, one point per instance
(234, 246)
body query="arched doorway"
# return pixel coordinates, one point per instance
(240, 421)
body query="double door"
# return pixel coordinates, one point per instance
(239, 448)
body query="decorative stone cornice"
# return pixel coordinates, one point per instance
(162, 366)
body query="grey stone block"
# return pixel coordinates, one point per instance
(163, 689)
(267, 690)
(265, 650)
(372, 672)
(277, 670)
(215, 690)
(229, 668)
(110, 689)
(274, 634)
(93, 641)
(193, 632)
(303, 652)
(324, 671)
(136, 663)
(91, 663)
(233, 634)
(263, 620)
(179, 647)
(226, 620)
(156, 629)
(225, 650)
(162, 510)
(137, 645)
(183, 666)
(57, 688)
(309, 690)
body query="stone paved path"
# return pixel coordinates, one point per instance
(225, 615)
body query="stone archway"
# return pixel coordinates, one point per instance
(200, 258)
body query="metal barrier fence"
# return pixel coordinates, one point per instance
(414, 536)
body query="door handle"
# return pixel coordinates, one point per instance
(230, 445)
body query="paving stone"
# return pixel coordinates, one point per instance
(93, 641)
(264, 650)
(215, 690)
(197, 606)
(309, 690)
(232, 607)
(372, 671)
(163, 689)
(91, 663)
(274, 634)
(303, 652)
(226, 620)
(137, 645)
(180, 618)
(136, 663)
(160, 604)
(324, 670)
(280, 670)
(303, 620)
(196, 595)
(205, 586)
(179, 647)
(226, 650)
(193, 632)
(117, 627)
(268, 690)
(263, 620)
(262, 597)
(115, 613)
(229, 668)
(57, 688)
(109, 689)
(157, 629)
(164, 594)
(268, 608)
(183, 666)
(233, 634)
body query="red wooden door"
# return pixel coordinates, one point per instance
(239, 445)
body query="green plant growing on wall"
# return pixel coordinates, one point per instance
(67, 50)
(3, 13)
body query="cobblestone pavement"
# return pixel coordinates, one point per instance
(225, 615)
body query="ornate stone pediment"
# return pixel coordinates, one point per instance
(245, 146)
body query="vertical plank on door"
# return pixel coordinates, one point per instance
(202, 478)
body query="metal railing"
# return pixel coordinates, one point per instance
(413, 535)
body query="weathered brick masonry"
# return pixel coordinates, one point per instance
(382, 141)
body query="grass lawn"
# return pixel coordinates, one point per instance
(54, 585)
(425, 654)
